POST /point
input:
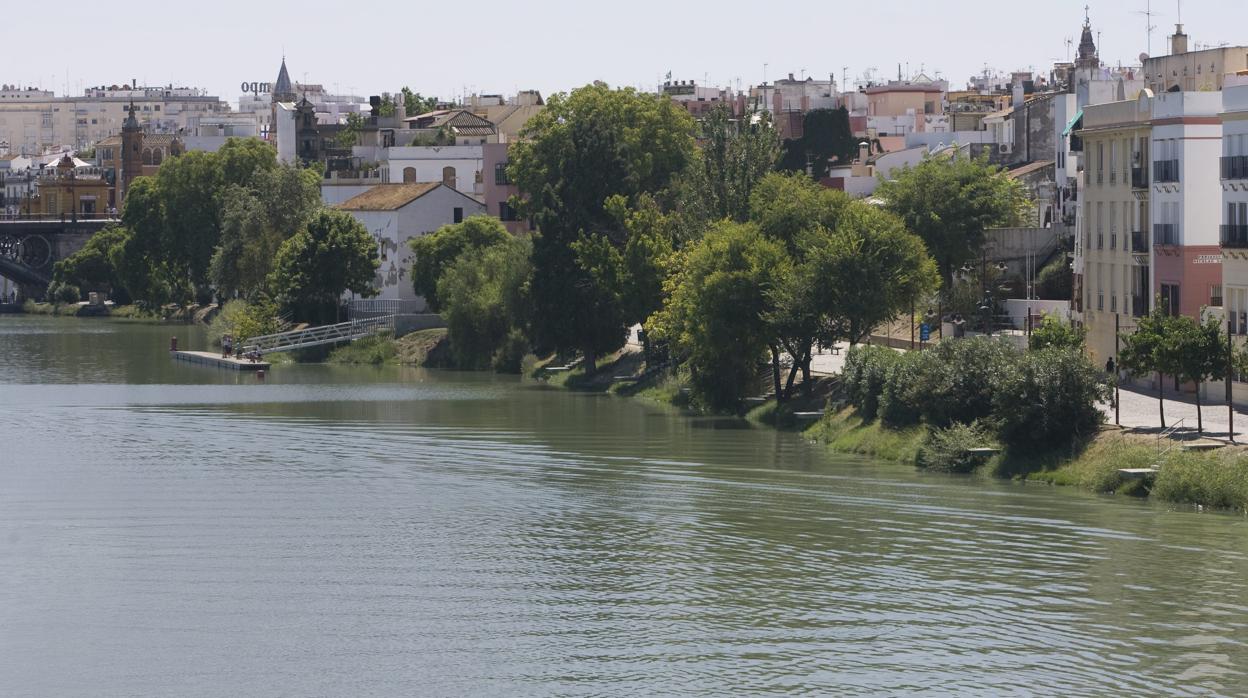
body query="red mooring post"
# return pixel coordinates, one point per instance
(173, 344)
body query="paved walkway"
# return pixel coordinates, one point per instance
(1139, 411)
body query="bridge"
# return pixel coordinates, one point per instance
(358, 328)
(30, 244)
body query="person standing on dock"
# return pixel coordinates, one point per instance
(227, 346)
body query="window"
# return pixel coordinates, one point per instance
(500, 174)
(506, 212)
(156, 108)
(1100, 163)
(459, 215)
(1215, 296)
(448, 176)
(1170, 299)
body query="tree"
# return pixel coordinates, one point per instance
(245, 159)
(826, 135)
(139, 260)
(583, 149)
(731, 158)
(1200, 354)
(950, 201)
(435, 253)
(486, 300)
(188, 186)
(91, 268)
(415, 104)
(1048, 397)
(713, 314)
(787, 205)
(1055, 334)
(1150, 350)
(334, 254)
(868, 271)
(349, 133)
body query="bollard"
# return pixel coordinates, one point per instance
(173, 344)
(260, 374)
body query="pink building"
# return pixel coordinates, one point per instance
(499, 189)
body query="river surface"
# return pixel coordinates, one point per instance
(168, 529)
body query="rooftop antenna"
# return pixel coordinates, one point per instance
(1148, 23)
(844, 77)
(1069, 43)
(1179, 11)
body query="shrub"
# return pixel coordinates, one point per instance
(1048, 398)
(1201, 478)
(1053, 333)
(374, 351)
(907, 383)
(961, 389)
(509, 357)
(63, 293)
(243, 320)
(948, 450)
(866, 369)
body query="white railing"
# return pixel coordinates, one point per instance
(316, 336)
(371, 308)
(1167, 434)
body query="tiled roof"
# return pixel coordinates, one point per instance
(388, 197)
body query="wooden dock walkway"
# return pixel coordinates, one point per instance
(208, 358)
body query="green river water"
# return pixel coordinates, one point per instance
(168, 529)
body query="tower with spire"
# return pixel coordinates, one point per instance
(283, 88)
(131, 153)
(1087, 56)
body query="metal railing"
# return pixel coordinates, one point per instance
(1235, 236)
(58, 217)
(316, 336)
(1139, 178)
(1234, 167)
(1165, 435)
(371, 308)
(1165, 234)
(1166, 171)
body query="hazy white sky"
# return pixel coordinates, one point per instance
(490, 46)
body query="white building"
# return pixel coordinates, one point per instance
(396, 213)
(1234, 210)
(457, 166)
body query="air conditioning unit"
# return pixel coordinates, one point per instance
(1004, 148)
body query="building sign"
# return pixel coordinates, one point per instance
(1207, 259)
(256, 88)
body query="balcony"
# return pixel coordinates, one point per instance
(1235, 167)
(1139, 306)
(1235, 236)
(1165, 234)
(1139, 241)
(1139, 178)
(1165, 171)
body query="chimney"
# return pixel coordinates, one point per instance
(1178, 42)
(864, 152)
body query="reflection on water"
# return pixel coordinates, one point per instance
(170, 529)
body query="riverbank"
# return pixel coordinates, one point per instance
(167, 314)
(1216, 479)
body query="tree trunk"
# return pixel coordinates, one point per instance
(775, 372)
(1200, 424)
(1161, 398)
(807, 386)
(788, 386)
(591, 362)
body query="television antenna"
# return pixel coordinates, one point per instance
(1148, 22)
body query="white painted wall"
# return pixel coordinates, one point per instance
(1198, 195)
(393, 229)
(428, 161)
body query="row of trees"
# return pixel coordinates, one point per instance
(647, 217)
(234, 224)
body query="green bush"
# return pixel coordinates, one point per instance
(243, 320)
(1048, 398)
(866, 370)
(948, 450)
(961, 389)
(63, 293)
(1053, 333)
(372, 351)
(509, 357)
(1205, 479)
(907, 385)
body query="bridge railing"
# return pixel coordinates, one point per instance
(316, 336)
(56, 217)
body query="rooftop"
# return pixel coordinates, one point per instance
(388, 197)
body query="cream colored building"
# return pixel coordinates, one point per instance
(1193, 71)
(33, 121)
(1116, 243)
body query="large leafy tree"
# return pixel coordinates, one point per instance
(244, 159)
(785, 206)
(713, 317)
(485, 300)
(188, 186)
(583, 149)
(333, 254)
(731, 158)
(90, 268)
(826, 135)
(435, 253)
(950, 201)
